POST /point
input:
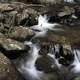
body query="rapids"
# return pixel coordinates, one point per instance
(28, 69)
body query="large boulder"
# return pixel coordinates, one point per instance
(7, 70)
(12, 48)
(44, 64)
(10, 44)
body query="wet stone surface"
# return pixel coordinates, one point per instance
(44, 64)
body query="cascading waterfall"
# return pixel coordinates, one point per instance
(28, 68)
(76, 63)
(52, 55)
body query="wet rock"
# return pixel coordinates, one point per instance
(7, 69)
(2, 35)
(65, 73)
(28, 17)
(10, 44)
(5, 7)
(66, 55)
(45, 47)
(66, 11)
(31, 11)
(1, 17)
(51, 1)
(44, 64)
(21, 33)
(11, 48)
(17, 14)
(29, 21)
(22, 18)
(77, 78)
(42, 1)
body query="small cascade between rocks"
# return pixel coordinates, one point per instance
(76, 62)
(43, 26)
(28, 68)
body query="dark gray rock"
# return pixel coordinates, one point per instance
(44, 64)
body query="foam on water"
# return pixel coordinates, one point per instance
(43, 26)
(52, 55)
(70, 1)
(29, 66)
(76, 63)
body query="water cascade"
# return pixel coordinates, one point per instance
(28, 67)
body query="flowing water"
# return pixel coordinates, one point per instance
(76, 62)
(28, 68)
(70, 1)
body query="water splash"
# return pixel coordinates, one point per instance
(76, 63)
(52, 54)
(43, 26)
(70, 1)
(29, 66)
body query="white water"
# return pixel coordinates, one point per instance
(52, 55)
(29, 66)
(43, 26)
(70, 1)
(76, 62)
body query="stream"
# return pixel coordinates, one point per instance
(59, 63)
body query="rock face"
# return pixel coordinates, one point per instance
(7, 71)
